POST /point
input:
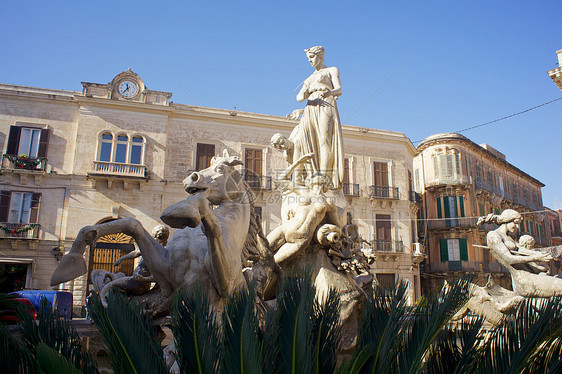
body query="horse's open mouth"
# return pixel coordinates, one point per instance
(195, 190)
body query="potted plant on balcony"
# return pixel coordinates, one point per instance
(25, 162)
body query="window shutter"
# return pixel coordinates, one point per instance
(5, 197)
(13, 140)
(43, 143)
(456, 206)
(444, 250)
(439, 213)
(34, 210)
(435, 167)
(458, 164)
(461, 205)
(446, 207)
(464, 249)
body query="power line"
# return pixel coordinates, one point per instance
(502, 118)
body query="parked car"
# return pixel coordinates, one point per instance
(59, 301)
(9, 316)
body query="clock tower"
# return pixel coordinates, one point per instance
(126, 86)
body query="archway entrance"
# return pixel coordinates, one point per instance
(107, 250)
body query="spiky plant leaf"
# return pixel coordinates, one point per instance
(196, 332)
(326, 332)
(53, 362)
(295, 304)
(132, 347)
(241, 348)
(380, 330)
(15, 357)
(526, 341)
(268, 337)
(425, 323)
(57, 334)
(357, 363)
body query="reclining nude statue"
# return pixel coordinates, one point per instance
(528, 277)
(207, 249)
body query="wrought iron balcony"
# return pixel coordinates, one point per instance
(258, 181)
(415, 197)
(387, 245)
(465, 266)
(351, 189)
(383, 192)
(14, 162)
(19, 230)
(118, 169)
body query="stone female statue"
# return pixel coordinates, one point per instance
(511, 255)
(319, 131)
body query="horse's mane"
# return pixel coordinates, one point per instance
(256, 247)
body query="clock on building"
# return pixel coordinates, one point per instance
(128, 88)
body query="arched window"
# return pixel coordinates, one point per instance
(106, 144)
(137, 151)
(121, 148)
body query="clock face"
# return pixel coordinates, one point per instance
(128, 89)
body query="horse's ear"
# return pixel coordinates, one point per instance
(225, 153)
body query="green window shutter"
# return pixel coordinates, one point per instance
(464, 249)
(444, 250)
(439, 212)
(461, 205)
(446, 206)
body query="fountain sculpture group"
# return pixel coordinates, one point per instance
(223, 248)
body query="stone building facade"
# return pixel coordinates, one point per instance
(114, 150)
(460, 181)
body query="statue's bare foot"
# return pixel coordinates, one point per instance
(71, 266)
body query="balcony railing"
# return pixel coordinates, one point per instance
(387, 245)
(445, 223)
(19, 230)
(450, 180)
(258, 181)
(475, 266)
(383, 192)
(415, 197)
(351, 189)
(23, 163)
(119, 169)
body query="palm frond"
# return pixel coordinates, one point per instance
(527, 341)
(196, 332)
(15, 357)
(326, 332)
(53, 362)
(295, 303)
(426, 322)
(132, 347)
(57, 334)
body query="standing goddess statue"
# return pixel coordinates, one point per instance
(319, 131)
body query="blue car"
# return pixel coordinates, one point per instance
(59, 301)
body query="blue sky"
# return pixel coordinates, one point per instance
(452, 65)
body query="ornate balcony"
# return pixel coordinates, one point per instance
(387, 245)
(383, 192)
(19, 230)
(351, 189)
(465, 266)
(14, 162)
(258, 181)
(118, 169)
(448, 223)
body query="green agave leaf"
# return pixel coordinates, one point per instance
(52, 362)
(132, 347)
(196, 332)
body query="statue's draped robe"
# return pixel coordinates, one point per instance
(320, 132)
